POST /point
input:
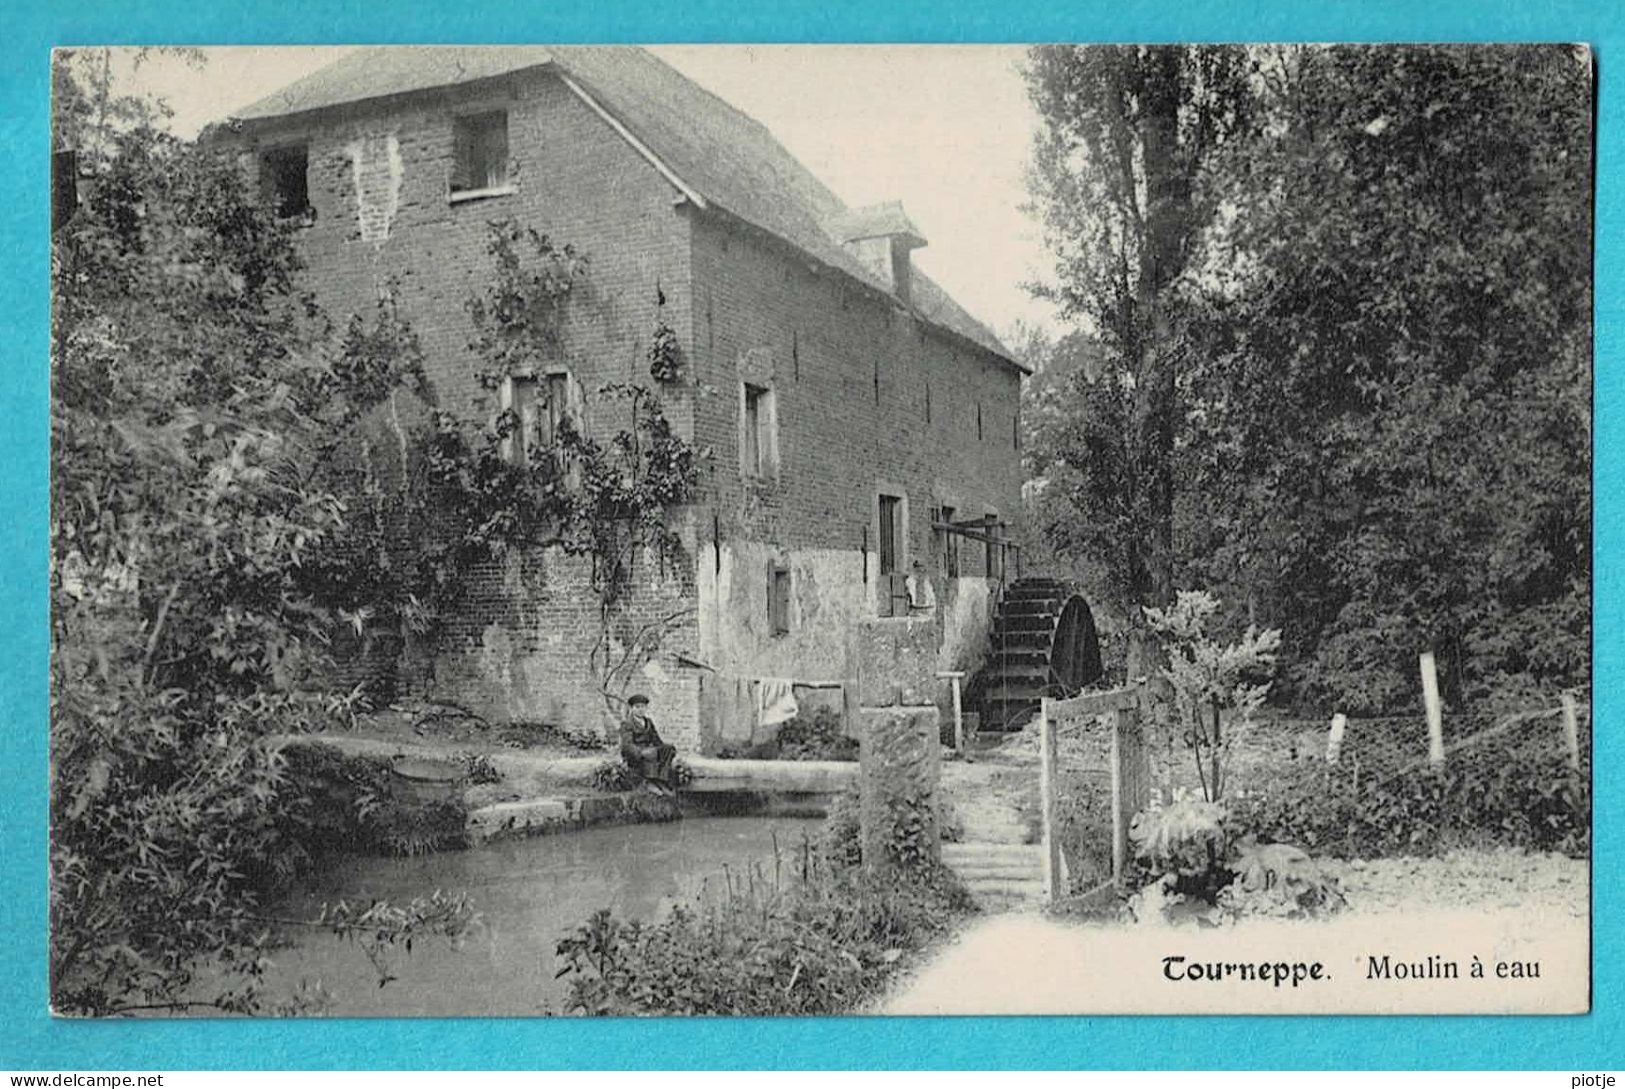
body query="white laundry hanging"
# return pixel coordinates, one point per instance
(775, 701)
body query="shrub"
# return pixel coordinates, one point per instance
(1279, 881)
(613, 777)
(822, 941)
(1085, 820)
(1490, 796)
(840, 841)
(1191, 863)
(336, 802)
(814, 737)
(479, 768)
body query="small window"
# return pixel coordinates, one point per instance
(758, 445)
(285, 180)
(480, 152)
(778, 599)
(950, 545)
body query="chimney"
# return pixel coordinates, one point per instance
(882, 238)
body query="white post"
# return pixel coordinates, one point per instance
(1571, 730)
(959, 713)
(1435, 710)
(1334, 740)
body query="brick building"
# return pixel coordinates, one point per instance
(851, 406)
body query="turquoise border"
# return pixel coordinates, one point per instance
(29, 1039)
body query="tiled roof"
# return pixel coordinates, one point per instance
(726, 157)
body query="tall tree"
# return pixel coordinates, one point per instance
(1119, 174)
(194, 391)
(1396, 381)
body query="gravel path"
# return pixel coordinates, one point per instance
(1502, 905)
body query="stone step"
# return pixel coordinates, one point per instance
(981, 849)
(1024, 891)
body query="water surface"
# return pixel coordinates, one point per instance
(528, 893)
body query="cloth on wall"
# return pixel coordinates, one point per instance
(775, 701)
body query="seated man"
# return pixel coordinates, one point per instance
(642, 750)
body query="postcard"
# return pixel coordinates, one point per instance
(811, 530)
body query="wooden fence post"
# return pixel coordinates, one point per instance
(1571, 730)
(1047, 753)
(1435, 711)
(1334, 740)
(1121, 720)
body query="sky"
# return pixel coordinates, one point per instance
(945, 129)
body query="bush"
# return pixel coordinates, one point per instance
(814, 737)
(822, 941)
(338, 803)
(614, 777)
(1490, 796)
(1190, 863)
(1084, 810)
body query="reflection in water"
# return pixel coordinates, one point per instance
(528, 893)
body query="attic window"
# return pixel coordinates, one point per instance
(284, 180)
(480, 153)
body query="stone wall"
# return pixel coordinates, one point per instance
(900, 749)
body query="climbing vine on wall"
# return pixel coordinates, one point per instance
(665, 354)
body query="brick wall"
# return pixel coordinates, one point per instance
(866, 396)
(379, 178)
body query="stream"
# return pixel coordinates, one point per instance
(527, 893)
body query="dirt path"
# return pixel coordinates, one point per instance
(1503, 907)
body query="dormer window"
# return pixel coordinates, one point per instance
(480, 153)
(285, 181)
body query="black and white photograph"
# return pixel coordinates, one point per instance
(810, 530)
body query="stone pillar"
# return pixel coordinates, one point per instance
(898, 767)
(900, 742)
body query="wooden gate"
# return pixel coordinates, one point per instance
(1130, 774)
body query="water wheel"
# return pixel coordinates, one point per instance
(1043, 644)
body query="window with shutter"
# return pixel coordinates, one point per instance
(778, 599)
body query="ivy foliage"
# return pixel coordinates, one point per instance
(461, 495)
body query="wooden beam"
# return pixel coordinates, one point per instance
(1099, 703)
(1047, 768)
